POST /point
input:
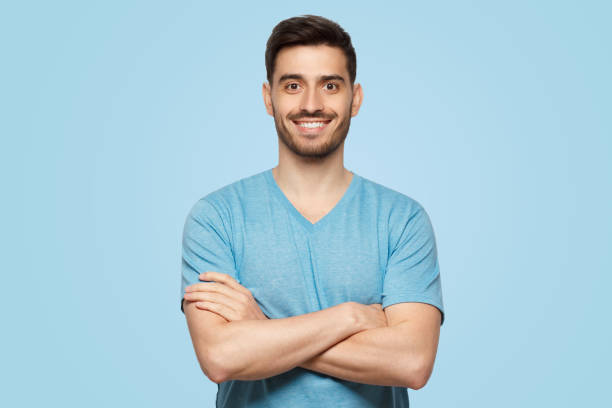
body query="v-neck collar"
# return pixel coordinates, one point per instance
(350, 191)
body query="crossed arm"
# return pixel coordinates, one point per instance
(330, 341)
(401, 354)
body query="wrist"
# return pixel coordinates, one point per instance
(352, 316)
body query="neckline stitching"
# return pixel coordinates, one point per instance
(310, 227)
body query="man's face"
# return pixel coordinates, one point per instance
(311, 99)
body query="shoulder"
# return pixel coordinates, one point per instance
(394, 203)
(403, 215)
(230, 198)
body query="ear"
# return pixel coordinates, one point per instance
(267, 97)
(357, 98)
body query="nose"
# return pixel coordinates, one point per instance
(311, 100)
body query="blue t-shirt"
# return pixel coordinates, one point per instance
(375, 246)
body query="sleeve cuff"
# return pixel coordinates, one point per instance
(391, 300)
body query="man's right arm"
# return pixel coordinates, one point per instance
(257, 349)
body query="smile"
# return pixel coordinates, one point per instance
(311, 126)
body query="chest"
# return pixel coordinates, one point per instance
(293, 271)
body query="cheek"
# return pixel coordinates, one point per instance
(281, 113)
(285, 102)
(340, 106)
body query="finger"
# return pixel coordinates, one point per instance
(231, 303)
(218, 288)
(224, 278)
(218, 308)
(213, 297)
(202, 306)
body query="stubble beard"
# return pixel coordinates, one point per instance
(312, 151)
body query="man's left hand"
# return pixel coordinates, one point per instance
(225, 297)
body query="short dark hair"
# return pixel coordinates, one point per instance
(309, 30)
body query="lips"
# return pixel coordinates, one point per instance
(311, 126)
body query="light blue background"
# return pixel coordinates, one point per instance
(117, 117)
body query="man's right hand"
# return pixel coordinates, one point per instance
(370, 316)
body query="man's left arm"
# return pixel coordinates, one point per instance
(401, 354)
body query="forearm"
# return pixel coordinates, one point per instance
(256, 349)
(377, 356)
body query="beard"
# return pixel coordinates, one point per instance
(312, 151)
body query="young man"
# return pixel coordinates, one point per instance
(307, 285)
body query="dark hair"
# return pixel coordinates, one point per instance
(309, 30)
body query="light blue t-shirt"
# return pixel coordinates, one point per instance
(375, 246)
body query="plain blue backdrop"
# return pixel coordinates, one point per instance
(118, 116)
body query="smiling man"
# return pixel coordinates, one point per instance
(312, 109)
(307, 285)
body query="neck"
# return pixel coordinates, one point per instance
(311, 182)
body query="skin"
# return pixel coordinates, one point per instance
(361, 343)
(310, 169)
(398, 346)
(310, 95)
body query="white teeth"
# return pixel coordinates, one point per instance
(311, 124)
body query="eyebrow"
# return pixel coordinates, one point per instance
(301, 77)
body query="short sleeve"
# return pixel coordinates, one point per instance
(412, 273)
(206, 245)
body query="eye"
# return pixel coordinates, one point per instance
(333, 87)
(292, 86)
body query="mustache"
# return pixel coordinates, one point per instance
(306, 115)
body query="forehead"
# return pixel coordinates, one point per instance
(310, 61)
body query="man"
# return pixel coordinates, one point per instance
(307, 285)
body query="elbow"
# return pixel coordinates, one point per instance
(217, 376)
(417, 383)
(213, 365)
(419, 375)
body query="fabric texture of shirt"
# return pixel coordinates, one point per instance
(375, 246)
